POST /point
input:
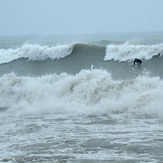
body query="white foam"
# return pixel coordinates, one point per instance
(35, 52)
(128, 52)
(90, 91)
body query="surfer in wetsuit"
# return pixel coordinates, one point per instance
(137, 61)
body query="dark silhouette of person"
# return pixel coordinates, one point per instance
(137, 61)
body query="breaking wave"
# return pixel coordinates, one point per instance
(88, 92)
(116, 51)
(128, 52)
(35, 52)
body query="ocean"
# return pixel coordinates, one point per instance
(80, 99)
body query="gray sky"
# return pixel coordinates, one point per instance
(28, 17)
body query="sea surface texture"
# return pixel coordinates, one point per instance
(81, 99)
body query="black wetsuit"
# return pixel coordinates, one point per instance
(137, 61)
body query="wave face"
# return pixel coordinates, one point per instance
(90, 91)
(114, 51)
(36, 60)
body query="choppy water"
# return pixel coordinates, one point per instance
(81, 102)
(80, 138)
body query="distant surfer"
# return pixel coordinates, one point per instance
(137, 61)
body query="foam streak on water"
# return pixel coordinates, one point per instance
(55, 138)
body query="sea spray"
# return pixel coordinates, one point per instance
(88, 92)
(128, 52)
(35, 52)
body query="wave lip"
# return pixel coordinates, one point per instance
(128, 52)
(35, 52)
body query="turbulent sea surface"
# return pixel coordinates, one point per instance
(81, 99)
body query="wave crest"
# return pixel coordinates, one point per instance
(128, 52)
(35, 52)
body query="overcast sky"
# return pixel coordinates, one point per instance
(31, 17)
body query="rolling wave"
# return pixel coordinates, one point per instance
(90, 91)
(128, 52)
(116, 52)
(35, 52)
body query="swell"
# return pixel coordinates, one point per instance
(83, 56)
(79, 56)
(73, 64)
(36, 52)
(116, 51)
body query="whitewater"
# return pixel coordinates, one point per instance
(81, 100)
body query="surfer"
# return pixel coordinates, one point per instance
(137, 61)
